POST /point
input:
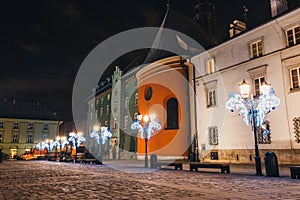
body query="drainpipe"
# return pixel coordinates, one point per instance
(195, 139)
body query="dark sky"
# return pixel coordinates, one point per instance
(43, 43)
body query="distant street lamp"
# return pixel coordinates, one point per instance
(253, 110)
(76, 139)
(61, 141)
(49, 142)
(101, 135)
(146, 128)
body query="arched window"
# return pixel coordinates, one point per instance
(172, 114)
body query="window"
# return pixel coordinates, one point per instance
(296, 124)
(257, 84)
(30, 126)
(101, 112)
(46, 127)
(211, 95)
(210, 66)
(116, 104)
(108, 97)
(97, 102)
(91, 115)
(136, 99)
(172, 114)
(125, 121)
(107, 109)
(16, 125)
(44, 136)
(256, 49)
(293, 36)
(115, 124)
(97, 114)
(264, 134)
(14, 138)
(1, 137)
(106, 123)
(102, 100)
(29, 138)
(127, 102)
(213, 135)
(1, 124)
(294, 74)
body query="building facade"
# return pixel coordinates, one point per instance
(24, 125)
(269, 52)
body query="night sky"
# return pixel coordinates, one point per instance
(43, 43)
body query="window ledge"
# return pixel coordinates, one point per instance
(294, 90)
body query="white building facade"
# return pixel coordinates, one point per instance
(270, 52)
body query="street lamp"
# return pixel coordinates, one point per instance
(101, 135)
(253, 110)
(76, 139)
(50, 146)
(61, 141)
(146, 129)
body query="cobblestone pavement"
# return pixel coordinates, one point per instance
(54, 180)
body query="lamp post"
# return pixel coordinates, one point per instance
(146, 129)
(76, 139)
(49, 142)
(101, 135)
(254, 110)
(61, 141)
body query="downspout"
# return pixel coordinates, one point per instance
(195, 139)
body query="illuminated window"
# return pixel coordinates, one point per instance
(102, 100)
(264, 133)
(46, 127)
(15, 138)
(108, 97)
(172, 114)
(294, 74)
(257, 84)
(257, 49)
(16, 125)
(210, 66)
(293, 36)
(1, 124)
(213, 135)
(211, 98)
(101, 112)
(97, 102)
(30, 126)
(1, 137)
(29, 138)
(107, 110)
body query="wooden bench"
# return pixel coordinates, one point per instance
(224, 167)
(177, 165)
(295, 172)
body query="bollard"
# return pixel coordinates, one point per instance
(153, 161)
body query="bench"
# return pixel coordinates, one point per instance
(295, 172)
(88, 161)
(224, 167)
(177, 165)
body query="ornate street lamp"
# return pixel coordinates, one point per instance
(146, 128)
(50, 143)
(76, 139)
(62, 142)
(253, 110)
(101, 135)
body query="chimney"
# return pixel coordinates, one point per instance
(236, 28)
(278, 7)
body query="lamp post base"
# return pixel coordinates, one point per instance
(258, 166)
(146, 161)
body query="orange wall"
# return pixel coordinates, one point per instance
(168, 83)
